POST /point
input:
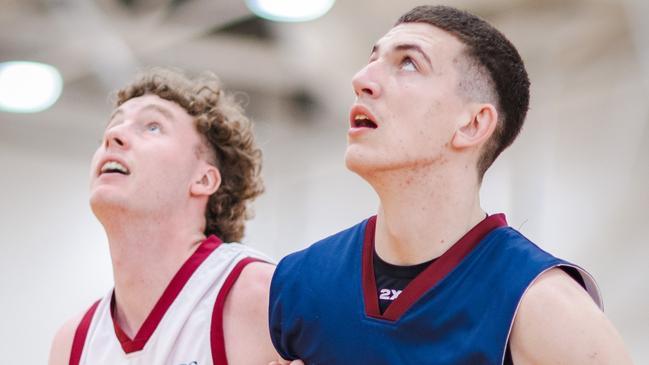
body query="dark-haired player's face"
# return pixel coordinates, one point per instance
(147, 158)
(407, 105)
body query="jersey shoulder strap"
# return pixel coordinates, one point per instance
(81, 333)
(217, 337)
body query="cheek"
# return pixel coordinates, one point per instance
(174, 166)
(426, 130)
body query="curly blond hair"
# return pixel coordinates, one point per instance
(227, 134)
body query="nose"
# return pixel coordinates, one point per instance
(116, 137)
(365, 82)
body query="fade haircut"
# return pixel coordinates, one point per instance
(228, 142)
(491, 71)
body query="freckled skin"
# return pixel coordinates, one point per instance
(415, 114)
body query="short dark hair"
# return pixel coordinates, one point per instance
(492, 60)
(227, 134)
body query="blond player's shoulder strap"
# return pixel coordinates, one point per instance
(217, 337)
(81, 333)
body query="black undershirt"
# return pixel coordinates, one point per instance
(392, 279)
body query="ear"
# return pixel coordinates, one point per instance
(477, 129)
(207, 183)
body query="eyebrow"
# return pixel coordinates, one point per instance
(407, 47)
(165, 112)
(162, 110)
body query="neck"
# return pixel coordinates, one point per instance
(146, 251)
(423, 212)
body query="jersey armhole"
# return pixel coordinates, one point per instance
(80, 335)
(217, 338)
(581, 276)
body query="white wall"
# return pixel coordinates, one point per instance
(53, 256)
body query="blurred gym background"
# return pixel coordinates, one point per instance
(575, 181)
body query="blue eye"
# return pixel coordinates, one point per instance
(408, 65)
(154, 127)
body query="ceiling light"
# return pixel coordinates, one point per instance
(290, 10)
(28, 87)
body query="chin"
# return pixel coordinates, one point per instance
(359, 164)
(102, 200)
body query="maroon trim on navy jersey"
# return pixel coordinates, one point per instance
(428, 278)
(166, 299)
(80, 335)
(369, 281)
(217, 337)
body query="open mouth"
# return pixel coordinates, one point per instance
(363, 121)
(114, 167)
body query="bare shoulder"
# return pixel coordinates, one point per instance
(255, 278)
(557, 322)
(246, 317)
(248, 300)
(62, 342)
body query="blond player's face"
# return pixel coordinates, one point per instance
(147, 158)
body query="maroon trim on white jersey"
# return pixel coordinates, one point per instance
(80, 335)
(217, 338)
(428, 278)
(166, 299)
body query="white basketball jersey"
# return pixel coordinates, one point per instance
(185, 327)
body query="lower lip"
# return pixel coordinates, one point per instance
(356, 131)
(111, 175)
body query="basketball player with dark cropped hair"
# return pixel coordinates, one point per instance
(432, 278)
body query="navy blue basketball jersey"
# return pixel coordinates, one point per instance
(459, 310)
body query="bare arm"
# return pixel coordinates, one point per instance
(245, 322)
(62, 343)
(558, 323)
